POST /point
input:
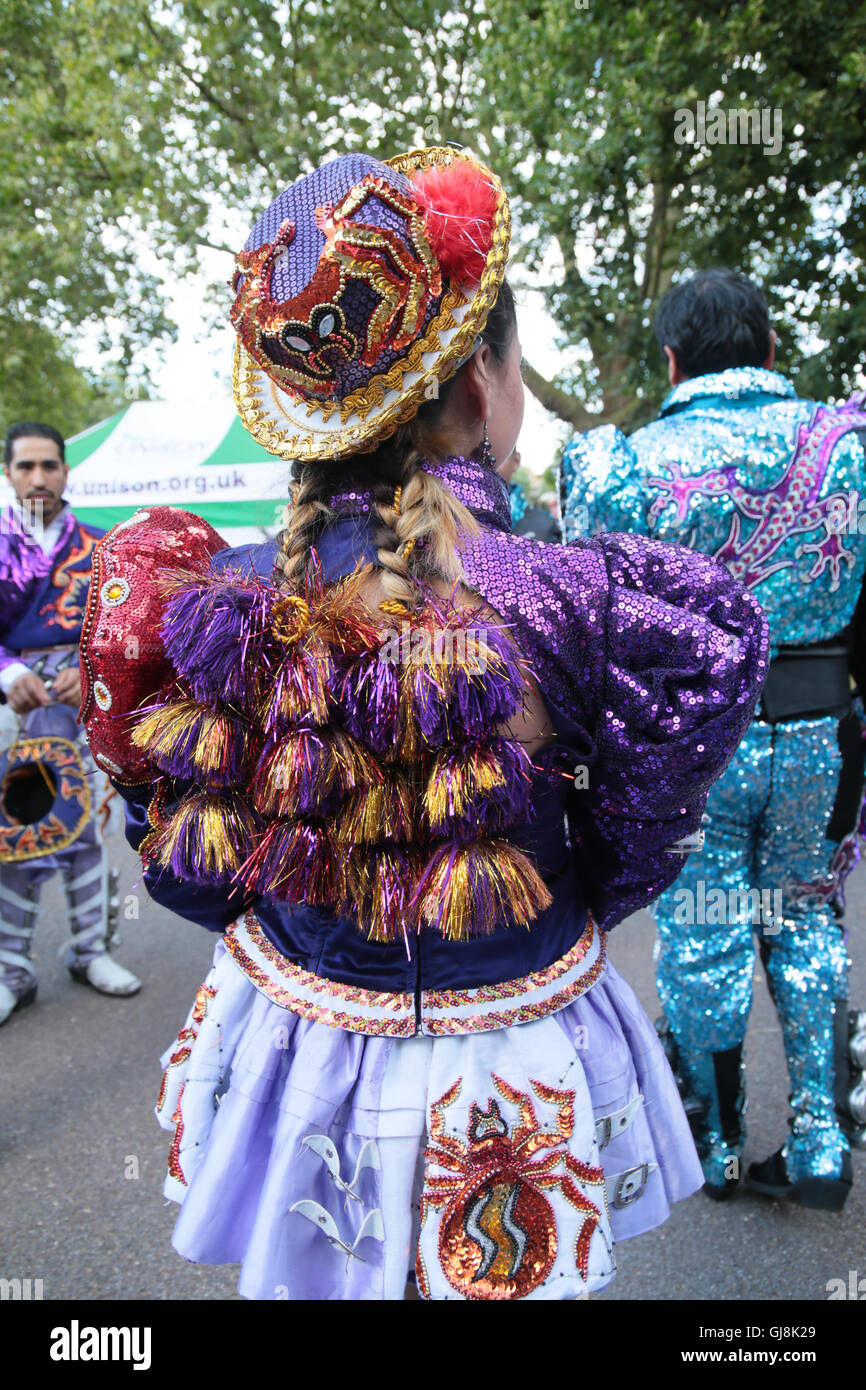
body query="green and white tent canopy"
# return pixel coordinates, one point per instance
(198, 457)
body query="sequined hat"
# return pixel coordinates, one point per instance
(359, 289)
(44, 798)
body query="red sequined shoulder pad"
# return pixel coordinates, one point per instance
(123, 661)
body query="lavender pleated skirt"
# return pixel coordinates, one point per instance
(501, 1164)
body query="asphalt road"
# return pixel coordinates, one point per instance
(82, 1158)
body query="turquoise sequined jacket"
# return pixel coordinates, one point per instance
(719, 472)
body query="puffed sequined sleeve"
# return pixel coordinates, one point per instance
(600, 486)
(685, 658)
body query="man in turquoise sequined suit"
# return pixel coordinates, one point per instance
(740, 468)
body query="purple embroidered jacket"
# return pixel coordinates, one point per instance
(650, 658)
(42, 597)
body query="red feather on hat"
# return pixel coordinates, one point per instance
(459, 208)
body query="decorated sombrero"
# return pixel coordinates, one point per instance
(44, 798)
(359, 289)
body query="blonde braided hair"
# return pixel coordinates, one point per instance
(307, 517)
(423, 534)
(420, 522)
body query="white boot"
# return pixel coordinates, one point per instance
(9, 1002)
(105, 975)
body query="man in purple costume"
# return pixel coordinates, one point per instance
(45, 558)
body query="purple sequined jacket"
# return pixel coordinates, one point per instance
(657, 656)
(42, 596)
(650, 659)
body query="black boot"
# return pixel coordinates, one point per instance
(770, 1178)
(714, 1107)
(691, 1104)
(731, 1101)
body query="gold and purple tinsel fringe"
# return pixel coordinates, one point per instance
(377, 889)
(193, 742)
(478, 788)
(296, 861)
(214, 628)
(383, 810)
(467, 890)
(302, 771)
(205, 837)
(380, 776)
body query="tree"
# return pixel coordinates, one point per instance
(70, 245)
(628, 208)
(171, 124)
(39, 382)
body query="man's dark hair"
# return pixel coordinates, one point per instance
(31, 427)
(717, 319)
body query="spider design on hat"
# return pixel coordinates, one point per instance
(325, 328)
(301, 341)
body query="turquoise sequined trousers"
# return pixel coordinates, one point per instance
(760, 884)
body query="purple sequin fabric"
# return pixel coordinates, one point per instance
(653, 651)
(22, 561)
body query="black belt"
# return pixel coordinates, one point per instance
(807, 683)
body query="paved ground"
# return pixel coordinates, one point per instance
(79, 1079)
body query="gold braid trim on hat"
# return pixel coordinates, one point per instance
(376, 420)
(362, 401)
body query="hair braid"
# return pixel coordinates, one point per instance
(421, 525)
(396, 578)
(307, 517)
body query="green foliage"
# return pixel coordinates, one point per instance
(70, 187)
(588, 137)
(40, 383)
(132, 125)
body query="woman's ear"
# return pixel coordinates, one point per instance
(479, 380)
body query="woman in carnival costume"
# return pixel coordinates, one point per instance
(413, 769)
